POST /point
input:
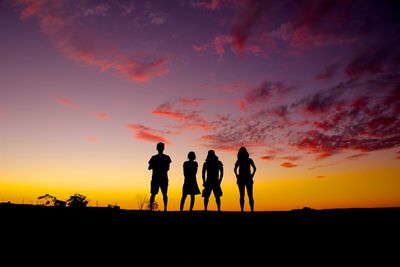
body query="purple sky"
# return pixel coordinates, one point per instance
(315, 76)
(297, 82)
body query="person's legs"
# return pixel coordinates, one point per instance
(249, 188)
(241, 196)
(192, 196)
(154, 187)
(206, 202)
(218, 200)
(152, 197)
(164, 190)
(183, 201)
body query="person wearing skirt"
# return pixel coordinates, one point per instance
(190, 186)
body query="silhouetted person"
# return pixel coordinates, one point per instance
(160, 165)
(245, 176)
(212, 174)
(190, 186)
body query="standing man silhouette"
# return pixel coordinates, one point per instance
(245, 176)
(212, 174)
(160, 165)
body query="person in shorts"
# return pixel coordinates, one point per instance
(212, 174)
(159, 180)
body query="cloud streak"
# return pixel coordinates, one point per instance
(101, 115)
(147, 134)
(264, 93)
(91, 139)
(67, 103)
(359, 115)
(289, 165)
(59, 21)
(182, 111)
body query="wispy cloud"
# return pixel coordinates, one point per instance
(182, 111)
(65, 102)
(289, 165)
(248, 15)
(312, 25)
(356, 156)
(325, 123)
(291, 158)
(267, 157)
(265, 92)
(97, 10)
(101, 115)
(92, 139)
(144, 133)
(209, 4)
(59, 20)
(323, 165)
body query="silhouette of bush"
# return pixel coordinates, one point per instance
(77, 201)
(142, 201)
(48, 199)
(60, 203)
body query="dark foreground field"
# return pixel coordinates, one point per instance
(368, 233)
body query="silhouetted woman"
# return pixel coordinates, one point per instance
(212, 174)
(190, 186)
(245, 176)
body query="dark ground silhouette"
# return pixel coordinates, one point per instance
(227, 236)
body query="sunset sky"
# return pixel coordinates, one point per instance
(311, 88)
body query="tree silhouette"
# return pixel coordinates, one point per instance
(48, 199)
(77, 201)
(142, 201)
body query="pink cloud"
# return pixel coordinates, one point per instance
(254, 49)
(219, 42)
(291, 158)
(190, 102)
(61, 26)
(266, 91)
(201, 48)
(228, 133)
(91, 139)
(324, 123)
(181, 110)
(97, 10)
(171, 114)
(248, 14)
(313, 24)
(209, 4)
(289, 165)
(65, 102)
(144, 133)
(267, 157)
(235, 87)
(304, 37)
(216, 142)
(101, 115)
